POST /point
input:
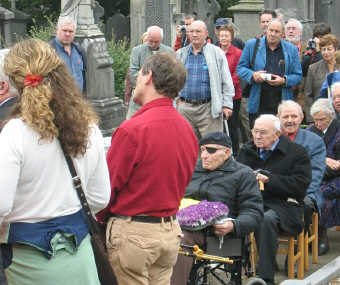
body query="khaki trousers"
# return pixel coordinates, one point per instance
(200, 119)
(142, 253)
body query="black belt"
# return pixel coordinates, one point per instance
(195, 102)
(146, 219)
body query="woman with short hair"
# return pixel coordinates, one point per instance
(326, 125)
(318, 71)
(233, 54)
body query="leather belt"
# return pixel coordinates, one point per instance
(146, 219)
(195, 102)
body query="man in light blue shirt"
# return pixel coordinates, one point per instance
(71, 53)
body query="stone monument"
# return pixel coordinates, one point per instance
(246, 17)
(167, 14)
(100, 75)
(303, 10)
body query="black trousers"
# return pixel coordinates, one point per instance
(234, 125)
(269, 102)
(267, 243)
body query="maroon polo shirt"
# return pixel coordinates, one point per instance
(151, 160)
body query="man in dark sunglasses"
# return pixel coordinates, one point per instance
(219, 178)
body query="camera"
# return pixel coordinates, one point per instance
(311, 44)
(266, 76)
(183, 28)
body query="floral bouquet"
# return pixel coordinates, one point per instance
(201, 215)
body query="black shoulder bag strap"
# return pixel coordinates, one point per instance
(105, 271)
(254, 53)
(77, 185)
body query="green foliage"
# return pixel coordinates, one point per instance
(37, 9)
(43, 32)
(120, 53)
(225, 4)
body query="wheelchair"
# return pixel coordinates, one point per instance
(221, 264)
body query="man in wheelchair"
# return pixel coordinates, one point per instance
(218, 177)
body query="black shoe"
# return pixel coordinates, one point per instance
(323, 248)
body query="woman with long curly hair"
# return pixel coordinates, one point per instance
(44, 236)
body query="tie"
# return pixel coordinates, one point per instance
(264, 154)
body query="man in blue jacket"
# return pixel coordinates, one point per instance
(291, 115)
(276, 69)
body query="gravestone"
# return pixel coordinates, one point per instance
(303, 10)
(119, 25)
(5, 27)
(167, 14)
(246, 17)
(205, 11)
(99, 76)
(326, 11)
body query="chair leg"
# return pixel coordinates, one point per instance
(291, 260)
(300, 257)
(315, 245)
(306, 255)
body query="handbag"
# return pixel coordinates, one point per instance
(105, 271)
(246, 89)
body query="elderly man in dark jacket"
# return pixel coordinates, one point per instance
(285, 170)
(218, 177)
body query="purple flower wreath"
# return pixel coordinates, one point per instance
(201, 215)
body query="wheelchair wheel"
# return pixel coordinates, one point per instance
(208, 273)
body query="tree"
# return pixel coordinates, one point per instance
(225, 4)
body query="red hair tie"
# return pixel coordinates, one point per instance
(32, 80)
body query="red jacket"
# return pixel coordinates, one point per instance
(151, 160)
(233, 57)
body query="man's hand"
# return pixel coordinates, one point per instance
(261, 177)
(257, 76)
(227, 112)
(332, 163)
(277, 81)
(226, 228)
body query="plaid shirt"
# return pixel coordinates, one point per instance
(197, 85)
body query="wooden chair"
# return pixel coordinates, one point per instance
(290, 242)
(312, 237)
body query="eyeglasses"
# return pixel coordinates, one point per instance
(211, 150)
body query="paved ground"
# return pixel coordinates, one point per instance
(334, 240)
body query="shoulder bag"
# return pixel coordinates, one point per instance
(105, 271)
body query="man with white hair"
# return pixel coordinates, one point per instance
(293, 34)
(138, 56)
(7, 92)
(72, 53)
(335, 89)
(285, 170)
(208, 91)
(291, 115)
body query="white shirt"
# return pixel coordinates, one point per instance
(35, 182)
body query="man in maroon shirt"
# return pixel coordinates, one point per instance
(151, 160)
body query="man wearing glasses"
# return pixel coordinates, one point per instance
(219, 178)
(286, 178)
(208, 91)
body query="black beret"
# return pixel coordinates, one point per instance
(216, 138)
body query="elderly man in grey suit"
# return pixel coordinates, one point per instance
(138, 56)
(208, 92)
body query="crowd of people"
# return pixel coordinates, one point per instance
(208, 121)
